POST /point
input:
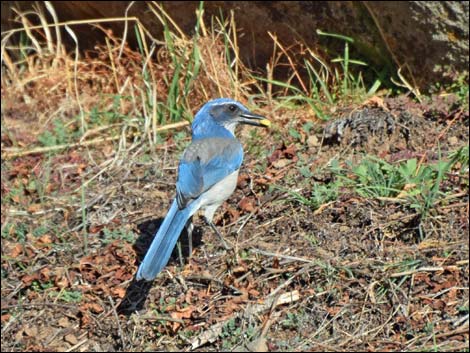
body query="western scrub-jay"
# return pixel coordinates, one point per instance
(207, 176)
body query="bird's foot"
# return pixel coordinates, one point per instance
(222, 240)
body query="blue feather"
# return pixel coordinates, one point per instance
(211, 159)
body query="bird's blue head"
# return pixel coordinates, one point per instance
(220, 117)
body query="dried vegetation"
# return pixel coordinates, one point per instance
(327, 254)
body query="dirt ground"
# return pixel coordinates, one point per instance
(353, 274)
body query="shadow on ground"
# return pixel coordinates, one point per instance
(137, 292)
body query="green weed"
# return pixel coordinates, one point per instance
(185, 65)
(106, 116)
(419, 185)
(459, 86)
(326, 90)
(460, 157)
(233, 334)
(68, 296)
(110, 235)
(58, 136)
(17, 231)
(38, 286)
(320, 195)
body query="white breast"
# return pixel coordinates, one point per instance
(217, 194)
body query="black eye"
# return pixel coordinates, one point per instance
(232, 107)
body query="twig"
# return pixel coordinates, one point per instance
(161, 318)
(443, 132)
(460, 321)
(423, 269)
(216, 280)
(77, 345)
(121, 333)
(290, 280)
(274, 38)
(32, 305)
(209, 335)
(322, 207)
(8, 153)
(272, 302)
(287, 257)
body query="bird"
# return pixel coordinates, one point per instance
(207, 176)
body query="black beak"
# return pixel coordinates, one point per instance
(255, 120)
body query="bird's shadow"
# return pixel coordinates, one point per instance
(137, 292)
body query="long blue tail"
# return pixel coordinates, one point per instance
(164, 242)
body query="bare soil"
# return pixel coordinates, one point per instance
(355, 274)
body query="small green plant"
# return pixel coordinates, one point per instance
(68, 296)
(233, 334)
(181, 140)
(110, 235)
(58, 136)
(459, 86)
(372, 177)
(100, 116)
(325, 89)
(291, 321)
(320, 194)
(255, 144)
(348, 84)
(460, 156)
(40, 231)
(408, 180)
(16, 231)
(38, 286)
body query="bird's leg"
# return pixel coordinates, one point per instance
(224, 243)
(189, 230)
(180, 253)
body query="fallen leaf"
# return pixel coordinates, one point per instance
(181, 314)
(45, 239)
(258, 345)
(374, 102)
(313, 141)
(35, 207)
(70, 338)
(16, 251)
(247, 204)
(119, 292)
(93, 307)
(281, 163)
(61, 281)
(233, 214)
(28, 279)
(31, 331)
(64, 322)
(45, 274)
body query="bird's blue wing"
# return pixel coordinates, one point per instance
(190, 183)
(204, 163)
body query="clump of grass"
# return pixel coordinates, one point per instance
(319, 195)
(328, 84)
(417, 184)
(460, 159)
(165, 82)
(458, 86)
(121, 234)
(234, 335)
